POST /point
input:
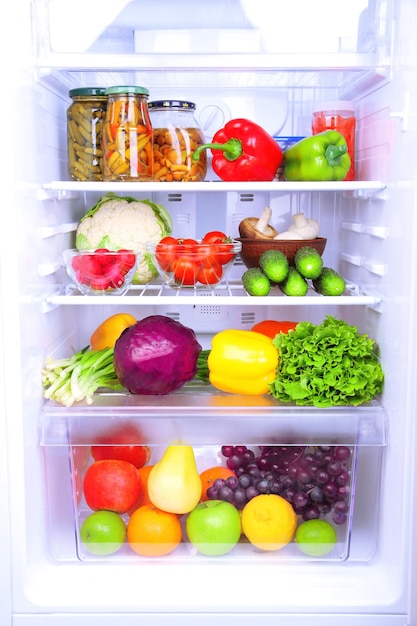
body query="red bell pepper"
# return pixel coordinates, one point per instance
(242, 150)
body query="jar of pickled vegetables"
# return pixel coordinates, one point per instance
(85, 122)
(127, 135)
(176, 137)
(338, 116)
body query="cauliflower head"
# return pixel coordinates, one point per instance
(116, 222)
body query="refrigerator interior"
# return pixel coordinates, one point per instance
(231, 61)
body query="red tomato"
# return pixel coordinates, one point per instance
(215, 236)
(166, 251)
(185, 271)
(210, 274)
(224, 253)
(189, 242)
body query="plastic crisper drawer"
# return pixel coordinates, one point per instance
(208, 421)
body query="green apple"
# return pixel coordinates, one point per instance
(214, 527)
(103, 532)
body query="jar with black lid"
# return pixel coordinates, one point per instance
(127, 136)
(85, 122)
(176, 137)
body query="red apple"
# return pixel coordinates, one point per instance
(125, 442)
(111, 485)
(214, 527)
(137, 455)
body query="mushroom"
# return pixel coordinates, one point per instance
(302, 228)
(258, 228)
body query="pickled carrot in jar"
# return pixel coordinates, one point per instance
(338, 116)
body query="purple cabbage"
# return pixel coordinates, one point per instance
(156, 356)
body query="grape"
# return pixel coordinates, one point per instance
(339, 518)
(322, 477)
(315, 480)
(227, 450)
(316, 494)
(311, 512)
(232, 482)
(334, 467)
(225, 493)
(342, 479)
(251, 492)
(212, 493)
(342, 453)
(341, 506)
(300, 500)
(244, 480)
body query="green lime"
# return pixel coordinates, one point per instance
(103, 532)
(316, 537)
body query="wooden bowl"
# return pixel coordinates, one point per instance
(252, 249)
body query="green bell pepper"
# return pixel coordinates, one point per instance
(320, 157)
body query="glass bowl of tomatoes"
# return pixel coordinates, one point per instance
(194, 263)
(101, 271)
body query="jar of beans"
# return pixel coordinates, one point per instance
(176, 137)
(85, 122)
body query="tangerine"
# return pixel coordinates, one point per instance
(269, 521)
(152, 532)
(211, 474)
(143, 479)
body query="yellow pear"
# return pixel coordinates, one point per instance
(174, 484)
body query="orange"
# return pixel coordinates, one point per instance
(269, 521)
(211, 474)
(152, 532)
(143, 478)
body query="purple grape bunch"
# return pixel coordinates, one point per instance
(314, 480)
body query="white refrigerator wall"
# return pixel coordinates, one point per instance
(371, 240)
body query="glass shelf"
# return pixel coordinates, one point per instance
(198, 414)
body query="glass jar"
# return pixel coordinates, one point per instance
(127, 135)
(176, 137)
(85, 121)
(338, 116)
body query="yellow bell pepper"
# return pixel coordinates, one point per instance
(109, 331)
(242, 361)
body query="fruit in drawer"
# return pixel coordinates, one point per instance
(269, 522)
(211, 474)
(174, 484)
(152, 532)
(112, 485)
(315, 537)
(137, 455)
(214, 527)
(103, 533)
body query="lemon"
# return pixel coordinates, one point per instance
(316, 537)
(269, 521)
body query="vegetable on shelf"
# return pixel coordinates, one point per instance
(321, 157)
(325, 365)
(156, 356)
(258, 228)
(122, 222)
(302, 228)
(243, 150)
(78, 377)
(242, 361)
(107, 333)
(270, 328)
